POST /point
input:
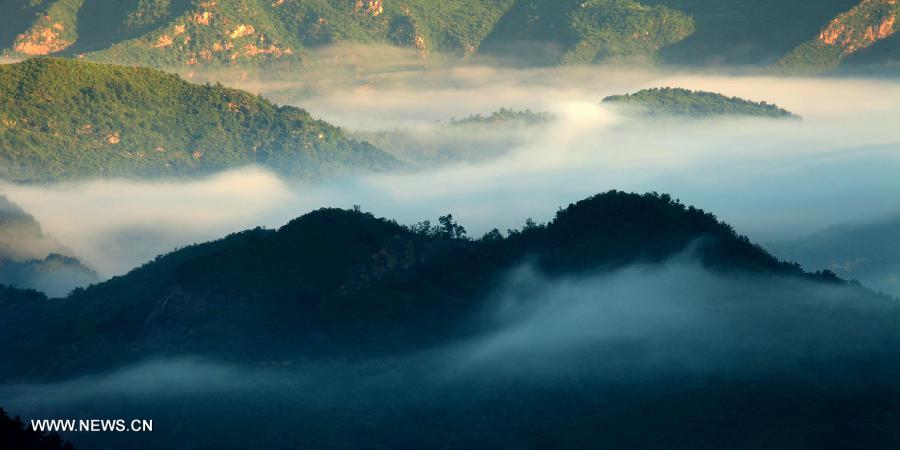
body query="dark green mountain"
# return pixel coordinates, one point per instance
(188, 34)
(65, 119)
(30, 259)
(673, 102)
(347, 282)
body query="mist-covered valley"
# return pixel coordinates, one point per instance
(773, 180)
(228, 306)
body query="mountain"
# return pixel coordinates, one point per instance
(871, 23)
(868, 252)
(66, 119)
(186, 34)
(469, 139)
(347, 282)
(669, 102)
(30, 259)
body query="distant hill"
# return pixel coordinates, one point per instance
(667, 102)
(167, 33)
(30, 259)
(187, 34)
(65, 119)
(871, 23)
(344, 281)
(868, 252)
(474, 138)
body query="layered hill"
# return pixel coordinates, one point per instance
(248, 33)
(30, 259)
(194, 32)
(64, 119)
(675, 102)
(344, 281)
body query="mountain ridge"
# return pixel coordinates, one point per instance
(63, 119)
(345, 282)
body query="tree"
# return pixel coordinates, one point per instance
(14, 435)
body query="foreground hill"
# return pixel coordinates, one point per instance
(667, 102)
(248, 33)
(30, 259)
(65, 119)
(347, 282)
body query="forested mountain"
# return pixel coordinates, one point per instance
(871, 23)
(64, 119)
(30, 259)
(344, 281)
(668, 102)
(247, 33)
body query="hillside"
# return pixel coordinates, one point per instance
(345, 281)
(868, 24)
(165, 33)
(188, 34)
(668, 102)
(66, 119)
(30, 259)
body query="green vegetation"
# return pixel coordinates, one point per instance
(65, 119)
(738, 32)
(662, 102)
(368, 284)
(506, 117)
(863, 26)
(470, 139)
(187, 34)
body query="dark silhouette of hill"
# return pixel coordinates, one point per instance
(345, 282)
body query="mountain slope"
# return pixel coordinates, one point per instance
(248, 33)
(344, 281)
(65, 119)
(863, 26)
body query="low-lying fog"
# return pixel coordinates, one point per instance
(773, 180)
(560, 353)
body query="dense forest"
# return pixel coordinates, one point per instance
(66, 119)
(664, 102)
(189, 34)
(15, 435)
(473, 138)
(370, 285)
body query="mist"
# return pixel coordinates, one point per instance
(613, 344)
(773, 180)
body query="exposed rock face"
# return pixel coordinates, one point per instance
(862, 26)
(43, 39)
